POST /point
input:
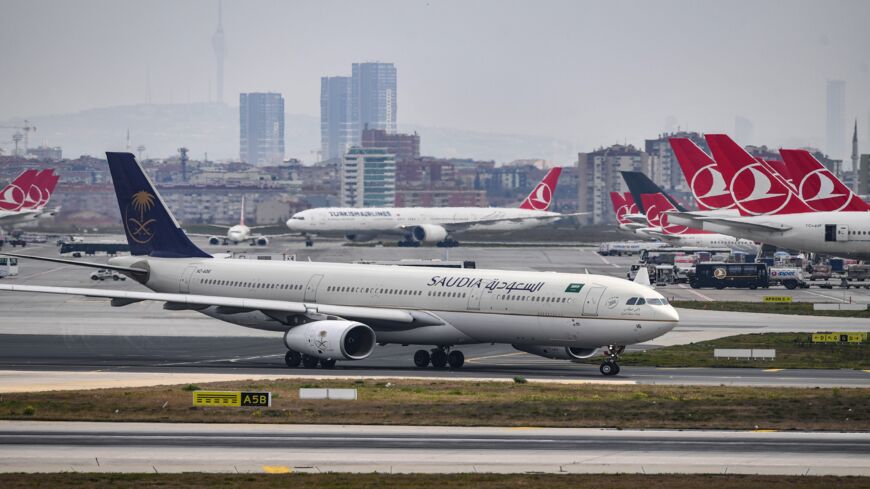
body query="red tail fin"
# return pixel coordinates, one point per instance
(653, 212)
(38, 192)
(14, 195)
(542, 195)
(702, 174)
(632, 205)
(620, 207)
(817, 186)
(755, 188)
(662, 206)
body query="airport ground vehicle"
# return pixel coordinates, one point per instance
(721, 275)
(619, 248)
(103, 274)
(79, 248)
(8, 266)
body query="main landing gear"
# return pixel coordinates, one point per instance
(439, 358)
(610, 366)
(309, 242)
(447, 243)
(408, 243)
(293, 359)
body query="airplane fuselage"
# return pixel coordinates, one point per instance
(455, 306)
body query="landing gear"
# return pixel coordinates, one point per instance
(447, 243)
(439, 358)
(456, 359)
(292, 358)
(309, 242)
(309, 361)
(610, 366)
(327, 363)
(421, 358)
(408, 243)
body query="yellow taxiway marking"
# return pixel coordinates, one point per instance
(495, 356)
(765, 431)
(774, 369)
(867, 371)
(276, 469)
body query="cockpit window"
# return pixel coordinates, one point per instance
(654, 302)
(640, 301)
(631, 301)
(298, 217)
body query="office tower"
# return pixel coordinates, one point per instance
(373, 98)
(836, 119)
(335, 124)
(405, 147)
(261, 128)
(368, 178)
(599, 174)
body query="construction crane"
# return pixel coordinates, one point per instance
(17, 137)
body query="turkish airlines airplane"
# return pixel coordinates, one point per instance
(240, 233)
(337, 311)
(26, 197)
(623, 209)
(428, 225)
(771, 211)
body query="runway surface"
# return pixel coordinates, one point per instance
(113, 356)
(144, 447)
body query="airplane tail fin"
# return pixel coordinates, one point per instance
(817, 186)
(756, 189)
(150, 227)
(652, 211)
(620, 207)
(629, 200)
(14, 195)
(542, 194)
(702, 174)
(642, 276)
(42, 188)
(639, 184)
(662, 206)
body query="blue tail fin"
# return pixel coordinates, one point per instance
(150, 227)
(638, 184)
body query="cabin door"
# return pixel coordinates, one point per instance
(590, 305)
(311, 288)
(184, 283)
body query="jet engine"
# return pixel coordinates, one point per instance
(262, 241)
(429, 233)
(214, 241)
(558, 352)
(332, 338)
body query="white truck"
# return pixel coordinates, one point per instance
(619, 248)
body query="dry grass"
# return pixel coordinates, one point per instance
(416, 402)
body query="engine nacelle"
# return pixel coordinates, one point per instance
(429, 233)
(558, 352)
(332, 338)
(360, 237)
(262, 241)
(214, 241)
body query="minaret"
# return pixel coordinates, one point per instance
(217, 42)
(855, 158)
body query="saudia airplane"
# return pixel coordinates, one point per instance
(332, 311)
(428, 225)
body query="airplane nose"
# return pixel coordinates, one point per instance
(669, 315)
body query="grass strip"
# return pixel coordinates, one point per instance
(427, 481)
(423, 402)
(794, 308)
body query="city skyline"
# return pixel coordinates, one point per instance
(694, 67)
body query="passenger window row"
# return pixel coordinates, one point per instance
(508, 297)
(255, 285)
(370, 290)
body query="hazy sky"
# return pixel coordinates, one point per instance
(587, 72)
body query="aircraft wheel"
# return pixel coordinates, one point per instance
(421, 358)
(608, 368)
(309, 362)
(292, 358)
(330, 363)
(456, 359)
(439, 359)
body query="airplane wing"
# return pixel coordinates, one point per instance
(749, 226)
(270, 307)
(463, 225)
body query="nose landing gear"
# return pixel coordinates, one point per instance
(610, 366)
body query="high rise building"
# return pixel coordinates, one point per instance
(405, 147)
(835, 125)
(261, 128)
(664, 168)
(368, 178)
(599, 174)
(373, 97)
(217, 43)
(336, 135)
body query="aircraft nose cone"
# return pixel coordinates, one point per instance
(669, 316)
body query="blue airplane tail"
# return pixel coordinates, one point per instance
(150, 228)
(638, 184)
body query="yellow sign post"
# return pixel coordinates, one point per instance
(777, 298)
(839, 337)
(232, 399)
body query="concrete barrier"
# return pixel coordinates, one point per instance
(749, 353)
(331, 394)
(820, 306)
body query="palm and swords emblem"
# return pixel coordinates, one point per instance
(139, 229)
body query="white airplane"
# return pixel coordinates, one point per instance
(240, 233)
(430, 225)
(26, 197)
(332, 311)
(771, 211)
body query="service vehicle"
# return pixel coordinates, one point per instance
(737, 275)
(104, 274)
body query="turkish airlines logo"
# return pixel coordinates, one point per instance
(540, 198)
(12, 198)
(817, 189)
(34, 198)
(708, 187)
(621, 213)
(755, 193)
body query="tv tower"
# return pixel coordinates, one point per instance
(217, 42)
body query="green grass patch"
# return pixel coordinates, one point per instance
(443, 403)
(793, 350)
(796, 308)
(427, 481)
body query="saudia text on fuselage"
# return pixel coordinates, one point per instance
(479, 283)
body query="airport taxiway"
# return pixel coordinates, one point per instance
(146, 447)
